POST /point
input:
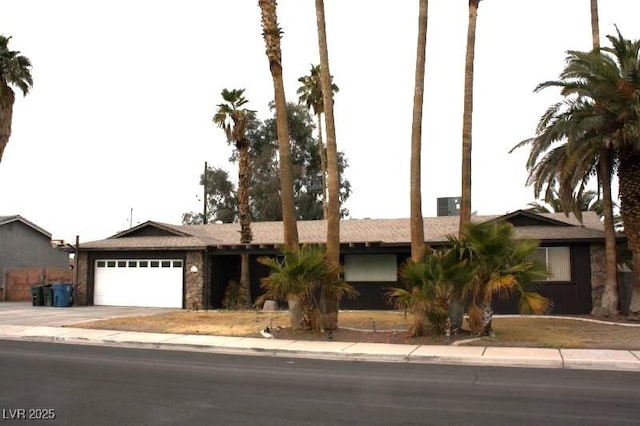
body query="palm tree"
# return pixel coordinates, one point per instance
(232, 118)
(418, 246)
(330, 304)
(299, 277)
(310, 94)
(502, 267)
(15, 70)
(433, 283)
(598, 121)
(272, 33)
(465, 199)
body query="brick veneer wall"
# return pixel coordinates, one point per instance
(80, 291)
(194, 281)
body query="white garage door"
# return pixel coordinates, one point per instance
(138, 282)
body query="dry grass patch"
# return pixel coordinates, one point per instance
(390, 327)
(549, 332)
(240, 323)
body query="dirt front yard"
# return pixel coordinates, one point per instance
(389, 327)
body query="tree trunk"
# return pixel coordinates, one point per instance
(465, 199)
(595, 25)
(323, 167)
(245, 279)
(329, 303)
(456, 314)
(420, 323)
(7, 97)
(487, 318)
(609, 301)
(417, 223)
(245, 222)
(296, 314)
(271, 33)
(629, 184)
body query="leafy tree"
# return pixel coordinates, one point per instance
(307, 173)
(310, 94)
(418, 246)
(222, 199)
(264, 182)
(300, 277)
(15, 70)
(233, 118)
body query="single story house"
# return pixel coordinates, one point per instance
(29, 256)
(189, 266)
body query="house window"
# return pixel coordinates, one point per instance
(101, 264)
(143, 263)
(177, 264)
(370, 267)
(133, 264)
(122, 264)
(111, 264)
(557, 261)
(166, 264)
(154, 263)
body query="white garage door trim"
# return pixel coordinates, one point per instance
(139, 282)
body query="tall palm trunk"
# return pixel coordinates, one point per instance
(271, 33)
(609, 301)
(595, 25)
(7, 98)
(243, 206)
(329, 304)
(629, 181)
(322, 152)
(417, 223)
(465, 199)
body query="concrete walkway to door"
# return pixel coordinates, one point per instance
(22, 313)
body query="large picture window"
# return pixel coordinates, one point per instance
(370, 267)
(557, 260)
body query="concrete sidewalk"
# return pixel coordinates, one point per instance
(429, 354)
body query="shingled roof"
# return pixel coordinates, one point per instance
(550, 227)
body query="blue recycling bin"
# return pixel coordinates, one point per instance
(62, 295)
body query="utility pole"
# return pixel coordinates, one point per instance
(204, 183)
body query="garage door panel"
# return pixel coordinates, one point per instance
(131, 282)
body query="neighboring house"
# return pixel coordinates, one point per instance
(189, 266)
(28, 256)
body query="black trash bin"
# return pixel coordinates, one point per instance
(37, 298)
(62, 295)
(47, 293)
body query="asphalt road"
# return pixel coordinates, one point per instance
(118, 386)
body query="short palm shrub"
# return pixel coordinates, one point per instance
(299, 277)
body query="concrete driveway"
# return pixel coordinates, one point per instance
(22, 313)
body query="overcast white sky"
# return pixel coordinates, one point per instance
(124, 90)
